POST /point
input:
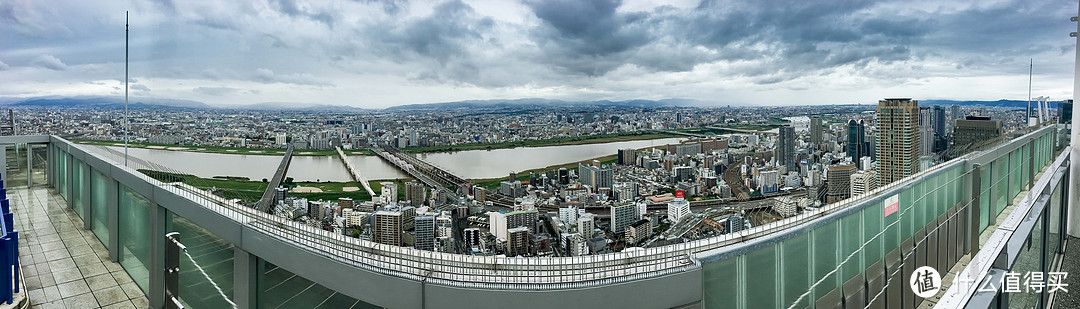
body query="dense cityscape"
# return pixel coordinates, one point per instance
(732, 169)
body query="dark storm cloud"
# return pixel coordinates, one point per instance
(588, 37)
(448, 38)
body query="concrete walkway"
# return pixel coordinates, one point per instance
(64, 265)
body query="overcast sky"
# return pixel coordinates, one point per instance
(379, 53)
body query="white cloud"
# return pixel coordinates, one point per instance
(49, 62)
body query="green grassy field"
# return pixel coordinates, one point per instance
(249, 190)
(493, 183)
(577, 140)
(230, 150)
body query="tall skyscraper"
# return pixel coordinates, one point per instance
(626, 156)
(815, 130)
(897, 139)
(1065, 111)
(926, 131)
(785, 150)
(856, 140)
(939, 120)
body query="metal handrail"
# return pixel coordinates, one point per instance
(533, 273)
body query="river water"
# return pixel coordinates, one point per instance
(467, 164)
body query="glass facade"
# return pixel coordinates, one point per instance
(134, 232)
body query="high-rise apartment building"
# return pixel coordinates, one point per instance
(388, 227)
(897, 139)
(815, 130)
(785, 150)
(974, 129)
(415, 193)
(627, 156)
(425, 232)
(926, 131)
(839, 182)
(622, 216)
(517, 242)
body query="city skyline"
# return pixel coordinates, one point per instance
(380, 54)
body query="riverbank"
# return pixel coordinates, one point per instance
(493, 183)
(252, 190)
(228, 150)
(558, 141)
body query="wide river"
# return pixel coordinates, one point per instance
(467, 164)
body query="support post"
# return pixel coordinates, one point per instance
(1074, 156)
(158, 218)
(173, 248)
(245, 279)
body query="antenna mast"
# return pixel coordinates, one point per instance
(127, 125)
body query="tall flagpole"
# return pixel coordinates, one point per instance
(127, 125)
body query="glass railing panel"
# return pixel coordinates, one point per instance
(134, 232)
(99, 201)
(795, 273)
(850, 241)
(279, 288)
(826, 248)
(77, 188)
(1029, 261)
(62, 179)
(39, 165)
(872, 225)
(761, 284)
(907, 218)
(15, 176)
(1000, 184)
(1054, 229)
(986, 196)
(1015, 169)
(214, 255)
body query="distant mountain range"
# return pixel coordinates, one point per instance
(139, 103)
(536, 102)
(108, 102)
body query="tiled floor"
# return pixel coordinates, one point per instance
(64, 265)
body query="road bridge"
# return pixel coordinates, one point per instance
(267, 200)
(355, 173)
